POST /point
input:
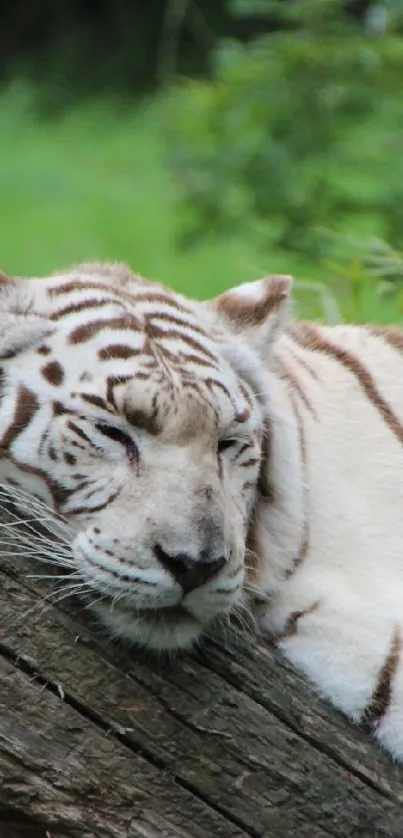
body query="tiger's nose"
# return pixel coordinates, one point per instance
(189, 573)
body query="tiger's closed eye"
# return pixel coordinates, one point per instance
(225, 444)
(117, 435)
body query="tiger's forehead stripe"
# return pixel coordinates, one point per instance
(118, 351)
(166, 317)
(182, 336)
(86, 331)
(144, 333)
(97, 401)
(83, 305)
(141, 295)
(82, 286)
(53, 372)
(155, 314)
(155, 298)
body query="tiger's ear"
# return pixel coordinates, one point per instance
(257, 311)
(20, 327)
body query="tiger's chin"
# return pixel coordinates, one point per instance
(159, 630)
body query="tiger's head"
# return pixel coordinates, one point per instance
(139, 417)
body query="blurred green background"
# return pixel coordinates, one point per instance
(208, 142)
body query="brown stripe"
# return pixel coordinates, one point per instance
(212, 382)
(155, 332)
(304, 544)
(97, 401)
(83, 285)
(115, 573)
(52, 452)
(243, 416)
(143, 421)
(189, 358)
(310, 337)
(81, 510)
(44, 350)
(114, 381)
(162, 354)
(246, 394)
(43, 442)
(82, 481)
(291, 626)
(85, 332)
(303, 363)
(242, 449)
(90, 494)
(132, 296)
(54, 373)
(74, 308)
(26, 406)
(293, 382)
(265, 490)
(70, 459)
(264, 485)
(381, 697)
(59, 494)
(118, 350)
(59, 409)
(249, 463)
(159, 297)
(80, 433)
(390, 334)
(142, 376)
(175, 321)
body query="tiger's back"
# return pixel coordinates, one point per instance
(338, 609)
(205, 457)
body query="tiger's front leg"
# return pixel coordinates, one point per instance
(350, 649)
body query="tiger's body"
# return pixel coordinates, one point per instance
(210, 456)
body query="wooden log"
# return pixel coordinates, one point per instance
(97, 741)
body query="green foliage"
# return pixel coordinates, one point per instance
(299, 130)
(369, 281)
(94, 184)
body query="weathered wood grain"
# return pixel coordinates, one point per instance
(96, 741)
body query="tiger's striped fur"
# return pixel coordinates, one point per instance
(214, 455)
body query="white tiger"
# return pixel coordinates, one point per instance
(215, 455)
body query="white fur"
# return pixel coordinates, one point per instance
(172, 494)
(328, 539)
(352, 574)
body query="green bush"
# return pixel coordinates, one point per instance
(298, 132)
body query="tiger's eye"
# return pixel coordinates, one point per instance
(114, 433)
(225, 444)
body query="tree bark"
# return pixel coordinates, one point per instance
(96, 741)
